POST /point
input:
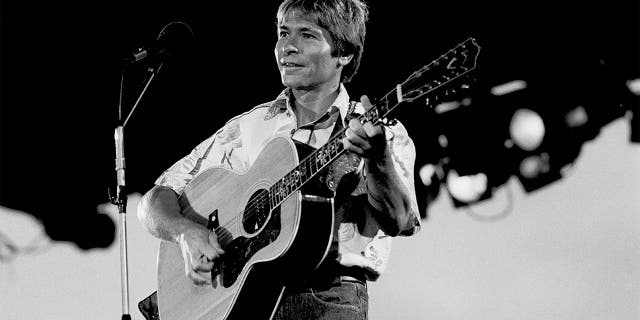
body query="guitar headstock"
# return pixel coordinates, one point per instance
(447, 68)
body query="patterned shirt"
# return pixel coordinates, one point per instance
(239, 142)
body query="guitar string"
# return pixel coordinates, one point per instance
(261, 199)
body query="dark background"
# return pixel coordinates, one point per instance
(61, 65)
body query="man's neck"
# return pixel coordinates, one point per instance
(309, 105)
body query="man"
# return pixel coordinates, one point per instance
(319, 48)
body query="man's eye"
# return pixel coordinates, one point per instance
(282, 34)
(308, 36)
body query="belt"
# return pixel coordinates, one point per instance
(325, 277)
(353, 279)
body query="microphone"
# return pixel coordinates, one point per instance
(174, 40)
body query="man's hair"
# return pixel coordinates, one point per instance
(344, 19)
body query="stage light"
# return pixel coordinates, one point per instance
(533, 166)
(634, 86)
(526, 129)
(531, 127)
(508, 87)
(466, 189)
(576, 117)
(427, 174)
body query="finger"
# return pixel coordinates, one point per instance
(356, 127)
(209, 249)
(195, 276)
(202, 264)
(351, 147)
(372, 130)
(193, 247)
(198, 278)
(213, 240)
(366, 103)
(356, 139)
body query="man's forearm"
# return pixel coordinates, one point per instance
(388, 196)
(159, 213)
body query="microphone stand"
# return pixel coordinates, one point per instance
(120, 199)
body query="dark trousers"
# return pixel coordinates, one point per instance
(345, 298)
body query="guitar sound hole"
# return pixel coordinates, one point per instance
(257, 211)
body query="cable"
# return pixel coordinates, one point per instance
(494, 217)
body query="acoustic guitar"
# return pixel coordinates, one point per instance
(270, 231)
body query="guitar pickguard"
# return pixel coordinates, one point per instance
(240, 250)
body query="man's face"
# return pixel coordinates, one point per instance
(303, 54)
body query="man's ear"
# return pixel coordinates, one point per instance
(344, 60)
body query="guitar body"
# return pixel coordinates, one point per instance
(264, 247)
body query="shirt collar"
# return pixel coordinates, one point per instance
(281, 103)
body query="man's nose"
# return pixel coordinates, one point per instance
(290, 46)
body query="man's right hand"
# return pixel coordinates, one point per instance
(160, 213)
(200, 249)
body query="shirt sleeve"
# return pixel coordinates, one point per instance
(403, 153)
(219, 150)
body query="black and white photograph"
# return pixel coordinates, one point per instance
(320, 160)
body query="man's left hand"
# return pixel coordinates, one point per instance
(367, 140)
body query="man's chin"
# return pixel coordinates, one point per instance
(293, 83)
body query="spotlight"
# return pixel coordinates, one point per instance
(427, 174)
(576, 117)
(469, 189)
(430, 175)
(466, 188)
(526, 129)
(634, 86)
(508, 87)
(534, 166)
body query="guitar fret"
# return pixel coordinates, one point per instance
(309, 164)
(305, 170)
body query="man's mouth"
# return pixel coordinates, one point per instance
(291, 65)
